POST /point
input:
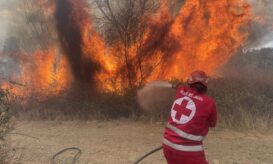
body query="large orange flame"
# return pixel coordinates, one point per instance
(204, 35)
(45, 73)
(209, 33)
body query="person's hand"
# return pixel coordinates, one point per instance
(176, 85)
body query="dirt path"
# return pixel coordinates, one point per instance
(119, 142)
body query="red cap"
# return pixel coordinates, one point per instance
(198, 77)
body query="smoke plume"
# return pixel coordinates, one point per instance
(262, 26)
(72, 19)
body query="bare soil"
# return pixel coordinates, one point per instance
(118, 142)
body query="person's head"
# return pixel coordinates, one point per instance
(198, 80)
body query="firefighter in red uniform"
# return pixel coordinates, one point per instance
(191, 116)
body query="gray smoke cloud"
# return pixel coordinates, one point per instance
(8, 65)
(3, 23)
(7, 9)
(262, 33)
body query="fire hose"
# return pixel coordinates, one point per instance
(75, 158)
(148, 154)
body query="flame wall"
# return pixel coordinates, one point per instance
(203, 35)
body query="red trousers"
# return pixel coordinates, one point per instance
(179, 157)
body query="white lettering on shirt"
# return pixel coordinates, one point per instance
(191, 95)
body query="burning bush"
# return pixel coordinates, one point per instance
(139, 42)
(146, 42)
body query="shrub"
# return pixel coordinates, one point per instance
(76, 107)
(243, 103)
(5, 125)
(4, 113)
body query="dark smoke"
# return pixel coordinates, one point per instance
(71, 18)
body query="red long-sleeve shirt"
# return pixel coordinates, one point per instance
(191, 116)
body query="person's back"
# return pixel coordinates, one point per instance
(192, 113)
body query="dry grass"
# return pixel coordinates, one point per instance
(4, 152)
(75, 107)
(242, 104)
(5, 101)
(5, 124)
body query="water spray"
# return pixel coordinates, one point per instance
(163, 84)
(156, 92)
(155, 95)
